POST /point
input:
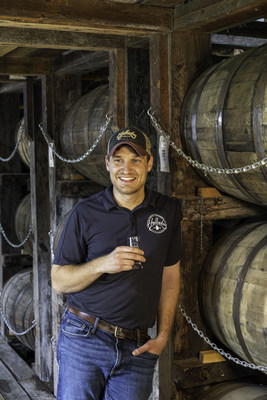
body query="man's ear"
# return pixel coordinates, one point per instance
(150, 164)
(107, 163)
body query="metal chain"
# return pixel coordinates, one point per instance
(54, 348)
(11, 329)
(219, 350)
(12, 244)
(102, 131)
(51, 240)
(198, 165)
(16, 146)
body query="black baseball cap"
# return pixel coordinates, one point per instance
(133, 137)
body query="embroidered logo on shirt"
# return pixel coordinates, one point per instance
(156, 223)
(126, 134)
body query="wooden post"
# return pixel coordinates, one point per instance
(40, 225)
(175, 60)
(190, 55)
(117, 87)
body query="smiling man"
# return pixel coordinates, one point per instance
(116, 291)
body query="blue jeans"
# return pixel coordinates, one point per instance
(99, 366)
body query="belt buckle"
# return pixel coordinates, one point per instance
(116, 331)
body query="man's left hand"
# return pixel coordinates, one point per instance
(154, 346)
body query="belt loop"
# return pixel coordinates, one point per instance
(95, 325)
(138, 338)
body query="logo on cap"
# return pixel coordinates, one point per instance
(126, 134)
(156, 223)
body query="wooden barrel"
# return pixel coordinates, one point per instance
(23, 148)
(224, 123)
(23, 222)
(17, 305)
(236, 391)
(80, 130)
(233, 291)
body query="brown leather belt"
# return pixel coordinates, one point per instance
(120, 333)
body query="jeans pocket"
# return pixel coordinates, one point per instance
(75, 327)
(147, 354)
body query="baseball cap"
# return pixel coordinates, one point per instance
(131, 136)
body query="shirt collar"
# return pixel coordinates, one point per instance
(109, 202)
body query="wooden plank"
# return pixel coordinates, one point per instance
(43, 38)
(22, 376)
(239, 42)
(9, 386)
(24, 66)
(190, 373)
(225, 207)
(209, 356)
(210, 16)
(40, 225)
(87, 16)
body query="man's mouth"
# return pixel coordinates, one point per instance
(125, 179)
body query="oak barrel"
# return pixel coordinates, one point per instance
(17, 305)
(236, 391)
(233, 291)
(224, 123)
(23, 148)
(80, 130)
(23, 222)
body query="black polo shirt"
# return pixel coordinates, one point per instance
(95, 227)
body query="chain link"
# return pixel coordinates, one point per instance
(198, 165)
(16, 146)
(89, 151)
(12, 244)
(219, 350)
(11, 329)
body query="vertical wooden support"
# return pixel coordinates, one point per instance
(118, 87)
(190, 55)
(160, 96)
(160, 104)
(40, 225)
(175, 60)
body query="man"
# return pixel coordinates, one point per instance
(115, 291)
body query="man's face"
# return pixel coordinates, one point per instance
(128, 170)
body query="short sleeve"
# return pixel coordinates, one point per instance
(174, 251)
(71, 249)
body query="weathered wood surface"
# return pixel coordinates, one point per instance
(232, 291)
(30, 66)
(18, 376)
(224, 207)
(89, 16)
(118, 87)
(191, 372)
(223, 123)
(190, 55)
(212, 16)
(44, 38)
(34, 103)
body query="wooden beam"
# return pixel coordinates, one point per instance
(225, 207)
(87, 16)
(42, 38)
(30, 66)
(213, 16)
(240, 42)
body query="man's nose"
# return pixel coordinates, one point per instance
(127, 166)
